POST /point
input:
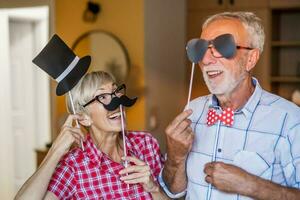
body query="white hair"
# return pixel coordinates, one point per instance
(86, 88)
(250, 21)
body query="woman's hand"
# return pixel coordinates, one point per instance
(36, 186)
(68, 135)
(138, 173)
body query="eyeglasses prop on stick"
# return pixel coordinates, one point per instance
(193, 48)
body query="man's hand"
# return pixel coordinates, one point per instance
(232, 179)
(179, 136)
(229, 178)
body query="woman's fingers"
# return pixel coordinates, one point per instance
(77, 132)
(71, 118)
(68, 135)
(134, 168)
(76, 137)
(135, 176)
(134, 160)
(138, 173)
(137, 180)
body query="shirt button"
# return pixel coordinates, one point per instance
(219, 150)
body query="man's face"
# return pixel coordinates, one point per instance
(223, 75)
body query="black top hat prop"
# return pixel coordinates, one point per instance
(60, 62)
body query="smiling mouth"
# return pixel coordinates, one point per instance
(115, 115)
(213, 73)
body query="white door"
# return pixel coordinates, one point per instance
(22, 98)
(27, 117)
(6, 136)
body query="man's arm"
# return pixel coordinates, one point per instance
(174, 175)
(267, 190)
(231, 179)
(179, 137)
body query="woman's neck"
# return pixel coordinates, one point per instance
(108, 143)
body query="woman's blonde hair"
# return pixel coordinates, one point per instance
(85, 89)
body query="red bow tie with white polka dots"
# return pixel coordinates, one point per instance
(226, 117)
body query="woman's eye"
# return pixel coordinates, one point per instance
(102, 97)
(120, 91)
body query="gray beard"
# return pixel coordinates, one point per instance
(227, 86)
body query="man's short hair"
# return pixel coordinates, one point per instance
(251, 22)
(85, 89)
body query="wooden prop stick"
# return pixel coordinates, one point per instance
(123, 135)
(191, 86)
(77, 124)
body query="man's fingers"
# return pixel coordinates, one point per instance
(208, 179)
(209, 165)
(183, 126)
(208, 170)
(190, 136)
(182, 116)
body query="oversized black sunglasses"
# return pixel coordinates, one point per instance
(106, 98)
(222, 46)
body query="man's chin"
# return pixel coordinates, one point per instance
(217, 90)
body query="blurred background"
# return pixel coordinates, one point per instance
(142, 42)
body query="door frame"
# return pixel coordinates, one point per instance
(7, 190)
(51, 5)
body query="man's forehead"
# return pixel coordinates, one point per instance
(224, 26)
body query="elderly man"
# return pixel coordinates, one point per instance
(240, 141)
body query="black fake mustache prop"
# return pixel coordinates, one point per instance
(117, 101)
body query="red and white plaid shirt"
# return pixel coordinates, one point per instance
(91, 174)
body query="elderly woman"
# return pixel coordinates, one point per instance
(98, 172)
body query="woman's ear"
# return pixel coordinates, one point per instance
(86, 120)
(252, 59)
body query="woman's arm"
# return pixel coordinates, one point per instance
(36, 186)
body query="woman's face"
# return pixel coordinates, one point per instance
(102, 119)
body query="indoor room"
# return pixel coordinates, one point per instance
(143, 44)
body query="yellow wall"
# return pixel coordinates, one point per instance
(125, 19)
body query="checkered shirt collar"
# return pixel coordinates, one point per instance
(95, 155)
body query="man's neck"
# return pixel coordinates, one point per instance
(239, 96)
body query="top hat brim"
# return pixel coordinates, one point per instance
(74, 76)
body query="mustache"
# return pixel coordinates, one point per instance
(117, 101)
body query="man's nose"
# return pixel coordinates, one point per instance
(208, 57)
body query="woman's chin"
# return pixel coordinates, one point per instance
(116, 127)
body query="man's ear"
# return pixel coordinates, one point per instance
(252, 59)
(86, 120)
